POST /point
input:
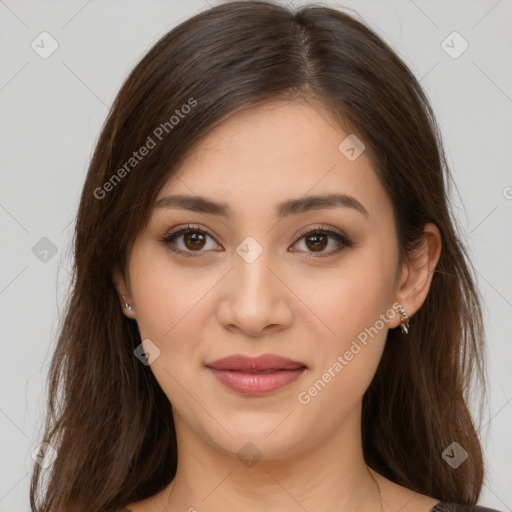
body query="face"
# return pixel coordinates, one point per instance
(268, 271)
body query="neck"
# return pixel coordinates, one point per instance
(330, 475)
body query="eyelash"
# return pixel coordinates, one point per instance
(174, 233)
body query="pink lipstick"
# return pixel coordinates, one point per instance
(256, 375)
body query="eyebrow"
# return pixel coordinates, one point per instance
(290, 207)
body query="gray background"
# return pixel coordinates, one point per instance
(52, 112)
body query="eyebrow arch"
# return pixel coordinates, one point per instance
(290, 207)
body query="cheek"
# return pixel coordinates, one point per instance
(166, 294)
(171, 309)
(354, 305)
(347, 361)
(350, 298)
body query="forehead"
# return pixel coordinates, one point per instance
(280, 150)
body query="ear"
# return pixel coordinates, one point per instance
(417, 272)
(123, 290)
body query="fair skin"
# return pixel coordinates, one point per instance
(288, 301)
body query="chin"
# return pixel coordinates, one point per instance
(255, 438)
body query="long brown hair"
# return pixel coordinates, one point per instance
(108, 418)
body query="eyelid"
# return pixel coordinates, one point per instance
(185, 227)
(319, 228)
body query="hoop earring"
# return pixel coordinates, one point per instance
(126, 305)
(404, 321)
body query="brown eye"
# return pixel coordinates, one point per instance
(189, 241)
(194, 240)
(316, 241)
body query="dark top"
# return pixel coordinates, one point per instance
(442, 506)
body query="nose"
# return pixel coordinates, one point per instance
(255, 299)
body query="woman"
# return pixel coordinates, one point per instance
(271, 308)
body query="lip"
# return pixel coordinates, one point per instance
(259, 363)
(256, 375)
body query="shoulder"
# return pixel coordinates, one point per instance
(459, 507)
(401, 498)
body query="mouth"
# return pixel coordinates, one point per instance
(256, 375)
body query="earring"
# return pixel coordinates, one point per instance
(404, 321)
(126, 305)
